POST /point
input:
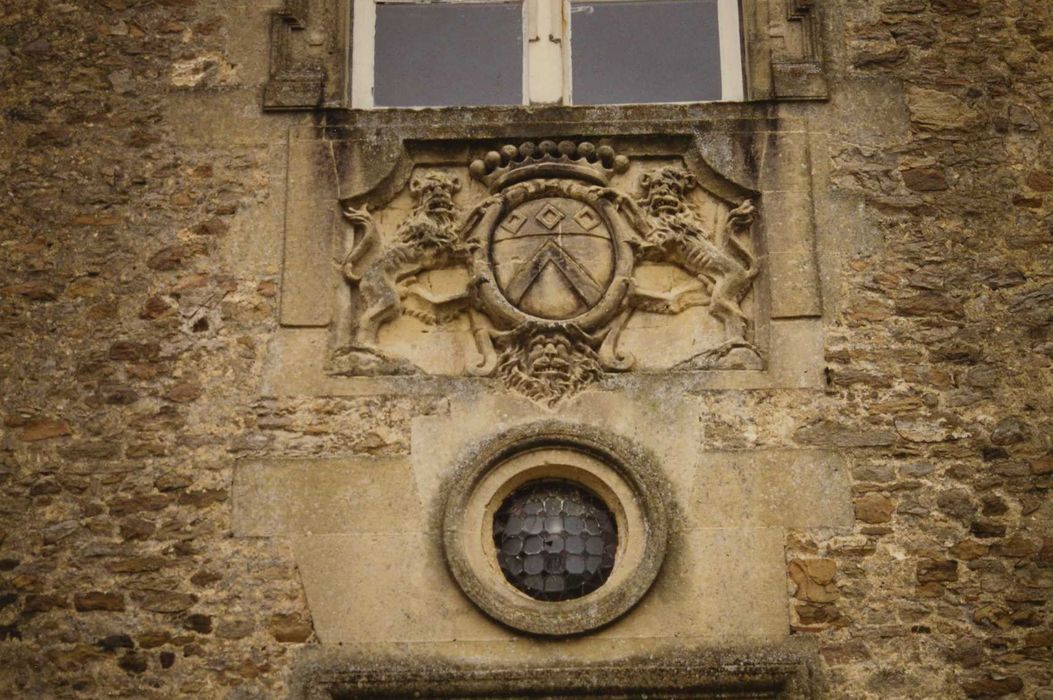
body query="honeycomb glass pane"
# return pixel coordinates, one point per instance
(555, 540)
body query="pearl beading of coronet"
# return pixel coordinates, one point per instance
(584, 161)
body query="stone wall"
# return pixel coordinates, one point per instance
(142, 222)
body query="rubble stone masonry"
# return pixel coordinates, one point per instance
(142, 199)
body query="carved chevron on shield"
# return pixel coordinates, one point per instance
(551, 253)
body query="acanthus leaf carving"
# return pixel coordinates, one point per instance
(549, 260)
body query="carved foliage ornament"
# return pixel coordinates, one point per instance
(551, 256)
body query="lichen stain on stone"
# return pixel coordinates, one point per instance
(209, 70)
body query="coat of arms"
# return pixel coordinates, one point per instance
(551, 256)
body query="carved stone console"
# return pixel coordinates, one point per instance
(793, 49)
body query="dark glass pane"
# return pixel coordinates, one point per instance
(662, 51)
(548, 564)
(448, 54)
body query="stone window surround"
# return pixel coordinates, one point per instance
(546, 62)
(350, 155)
(626, 477)
(311, 51)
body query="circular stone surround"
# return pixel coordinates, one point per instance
(619, 474)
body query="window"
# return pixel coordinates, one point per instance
(407, 53)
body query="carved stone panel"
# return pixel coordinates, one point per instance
(578, 294)
(547, 266)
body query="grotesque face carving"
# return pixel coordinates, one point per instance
(665, 190)
(434, 192)
(548, 365)
(430, 225)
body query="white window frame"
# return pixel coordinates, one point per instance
(547, 49)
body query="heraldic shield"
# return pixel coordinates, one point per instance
(553, 257)
(551, 260)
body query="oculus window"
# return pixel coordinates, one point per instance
(555, 540)
(463, 52)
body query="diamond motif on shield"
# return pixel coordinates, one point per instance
(513, 223)
(550, 217)
(587, 219)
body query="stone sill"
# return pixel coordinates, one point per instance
(785, 672)
(468, 122)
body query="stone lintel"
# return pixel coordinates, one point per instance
(786, 671)
(293, 497)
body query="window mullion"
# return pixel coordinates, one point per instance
(567, 53)
(545, 42)
(363, 42)
(730, 27)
